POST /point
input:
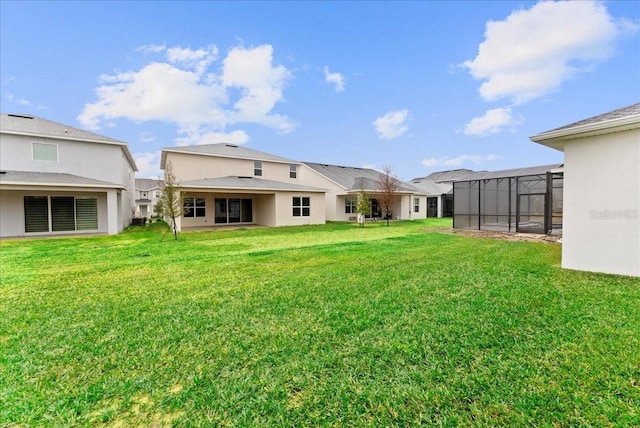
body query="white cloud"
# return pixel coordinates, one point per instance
(533, 51)
(184, 91)
(12, 98)
(152, 48)
(492, 122)
(235, 137)
(336, 79)
(392, 124)
(148, 165)
(458, 161)
(147, 137)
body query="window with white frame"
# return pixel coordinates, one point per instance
(301, 206)
(257, 168)
(416, 205)
(44, 152)
(194, 207)
(293, 171)
(350, 205)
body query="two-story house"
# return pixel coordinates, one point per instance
(148, 192)
(226, 184)
(56, 179)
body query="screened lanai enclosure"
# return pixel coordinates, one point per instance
(528, 200)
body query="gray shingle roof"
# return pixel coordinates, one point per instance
(447, 176)
(430, 187)
(52, 179)
(148, 184)
(354, 178)
(228, 151)
(629, 111)
(247, 183)
(36, 126)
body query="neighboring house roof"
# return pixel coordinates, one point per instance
(224, 150)
(148, 184)
(18, 124)
(622, 119)
(446, 176)
(354, 178)
(432, 188)
(51, 179)
(247, 183)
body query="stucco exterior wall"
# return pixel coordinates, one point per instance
(188, 166)
(284, 209)
(12, 211)
(601, 230)
(99, 161)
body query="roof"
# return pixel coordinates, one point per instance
(148, 183)
(52, 179)
(225, 151)
(430, 187)
(446, 176)
(621, 113)
(354, 178)
(22, 124)
(622, 119)
(516, 172)
(247, 183)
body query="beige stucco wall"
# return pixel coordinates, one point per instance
(196, 167)
(284, 209)
(601, 225)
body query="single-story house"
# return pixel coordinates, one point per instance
(344, 183)
(438, 187)
(56, 179)
(601, 191)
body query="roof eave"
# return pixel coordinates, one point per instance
(557, 138)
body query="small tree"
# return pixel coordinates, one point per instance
(388, 191)
(363, 206)
(171, 201)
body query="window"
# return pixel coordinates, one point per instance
(293, 171)
(36, 214)
(416, 205)
(86, 213)
(44, 152)
(233, 210)
(301, 206)
(257, 168)
(60, 214)
(157, 194)
(350, 206)
(194, 207)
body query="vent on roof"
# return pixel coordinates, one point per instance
(244, 176)
(231, 145)
(21, 116)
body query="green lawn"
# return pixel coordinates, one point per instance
(330, 325)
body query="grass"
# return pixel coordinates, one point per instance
(328, 325)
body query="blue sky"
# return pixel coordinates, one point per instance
(416, 86)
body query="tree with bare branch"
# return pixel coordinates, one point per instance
(171, 202)
(388, 191)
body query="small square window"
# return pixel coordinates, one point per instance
(301, 206)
